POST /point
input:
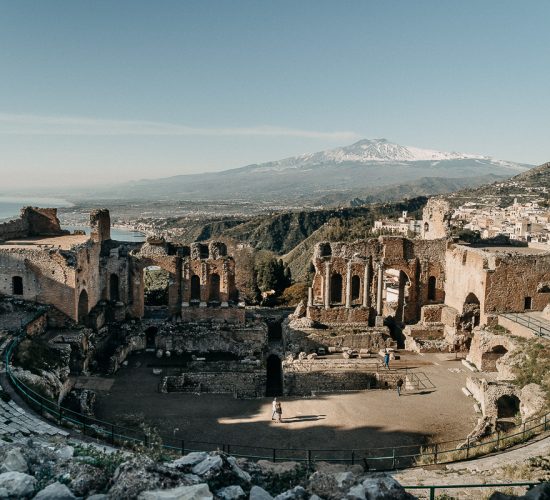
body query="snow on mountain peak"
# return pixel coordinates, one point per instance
(368, 150)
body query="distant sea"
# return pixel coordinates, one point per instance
(116, 233)
(10, 206)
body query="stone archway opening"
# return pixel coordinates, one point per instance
(508, 406)
(274, 380)
(432, 289)
(214, 289)
(114, 288)
(336, 289)
(489, 359)
(150, 337)
(17, 285)
(155, 290)
(471, 313)
(195, 290)
(395, 294)
(355, 287)
(82, 306)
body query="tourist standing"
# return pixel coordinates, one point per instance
(273, 408)
(387, 360)
(279, 411)
(399, 386)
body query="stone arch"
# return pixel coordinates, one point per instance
(471, 298)
(17, 285)
(195, 288)
(397, 286)
(150, 337)
(507, 406)
(114, 287)
(432, 288)
(471, 312)
(214, 289)
(355, 287)
(336, 289)
(82, 306)
(274, 380)
(489, 359)
(156, 290)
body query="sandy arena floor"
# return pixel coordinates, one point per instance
(359, 420)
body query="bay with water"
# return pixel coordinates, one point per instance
(119, 234)
(10, 206)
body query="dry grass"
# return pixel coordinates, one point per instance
(484, 447)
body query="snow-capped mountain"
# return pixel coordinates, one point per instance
(344, 172)
(377, 150)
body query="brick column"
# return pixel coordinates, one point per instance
(379, 288)
(348, 285)
(309, 296)
(327, 285)
(366, 284)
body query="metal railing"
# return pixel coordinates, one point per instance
(432, 488)
(538, 327)
(379, 458)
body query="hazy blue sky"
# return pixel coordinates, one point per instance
(100, 91)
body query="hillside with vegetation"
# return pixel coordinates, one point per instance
(534, 184)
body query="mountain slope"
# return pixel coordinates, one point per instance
(527, 186)
(363, 165)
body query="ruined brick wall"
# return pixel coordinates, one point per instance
(304, 384)
(154, 253)
(18, 228)
(525, 275)
(488, 348)
(201, 338)
(33, 221)
(42, 221)
(371, 338)
(436, 219)
(465, 275)
(207, 265)
(87, 276)
(241, 383)
(421, 263)
(48, 276)
(214, 269)
(500, 280)
(488, 393)
(229, 315)
(100, 225)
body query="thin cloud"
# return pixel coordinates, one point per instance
(22, 124)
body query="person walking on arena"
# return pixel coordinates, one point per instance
(399, 386)
(273, 408)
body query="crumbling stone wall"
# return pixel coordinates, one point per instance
(206, 337)
(436, 219)
(33, 221)
(500, 280)
(249, 383)
(48, 276)
(488, 394)
(209, 263)
(363, 262)
(100, 225)
(200, 275)
(487, 351)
